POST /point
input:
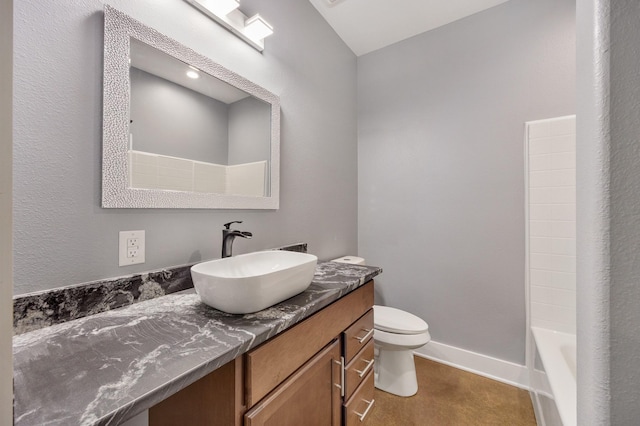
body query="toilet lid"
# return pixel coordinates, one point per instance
(394, 320)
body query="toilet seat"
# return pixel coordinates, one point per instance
(400, 341)
(392, 320)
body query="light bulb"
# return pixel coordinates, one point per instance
(256, 28)
(220, 7)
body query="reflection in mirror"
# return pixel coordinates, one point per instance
(181, 131)
(190, 131)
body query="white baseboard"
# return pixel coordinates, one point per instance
(540, 383)
(483, 365)
(537, 409)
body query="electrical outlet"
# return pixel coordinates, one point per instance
(131, 248)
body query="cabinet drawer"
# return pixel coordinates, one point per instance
(357, 336)
(271, 363)
(358, 408)
(358, 368)
(309, 397)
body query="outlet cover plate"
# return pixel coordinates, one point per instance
(131, 248)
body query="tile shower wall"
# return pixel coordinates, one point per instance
(552, 223)
(155, 171)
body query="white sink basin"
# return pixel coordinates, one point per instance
(251, 282)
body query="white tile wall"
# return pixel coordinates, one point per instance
(552, 223)
(175, 174)
(144, 170)
(153, 171)
(208, 177)
(247, 179)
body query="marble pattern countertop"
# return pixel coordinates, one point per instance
(108, 367)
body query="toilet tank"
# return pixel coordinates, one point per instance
(354, 260)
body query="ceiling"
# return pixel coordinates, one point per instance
(160, 64)
(368, 25)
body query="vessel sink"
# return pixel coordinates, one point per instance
(252, 282)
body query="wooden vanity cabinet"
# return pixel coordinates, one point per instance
(318, 372)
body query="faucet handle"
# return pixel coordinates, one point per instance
(228, 225)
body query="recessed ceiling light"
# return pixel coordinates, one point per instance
(193, 74)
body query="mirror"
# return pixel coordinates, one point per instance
(181, 131)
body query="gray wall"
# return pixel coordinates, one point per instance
(170, 119)
(625, 212)
(62, 236)
(440, 160)
(6, 317)
(249, 143)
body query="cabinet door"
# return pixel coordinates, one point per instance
(309, 397)
(216, 399)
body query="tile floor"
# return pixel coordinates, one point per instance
(448, 396)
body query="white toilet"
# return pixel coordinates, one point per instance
(396, 334)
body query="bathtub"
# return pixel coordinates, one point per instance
(558, 354)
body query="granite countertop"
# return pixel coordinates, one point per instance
(108, 367)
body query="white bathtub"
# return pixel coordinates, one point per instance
(558, 353)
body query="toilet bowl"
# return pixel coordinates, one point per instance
(396, 334)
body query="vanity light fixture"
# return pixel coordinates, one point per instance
(252, 30)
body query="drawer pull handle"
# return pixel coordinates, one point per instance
(361, 373)
(363, 415)
(341, 384)
(365, 337)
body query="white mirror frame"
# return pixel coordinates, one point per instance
(119, 28)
